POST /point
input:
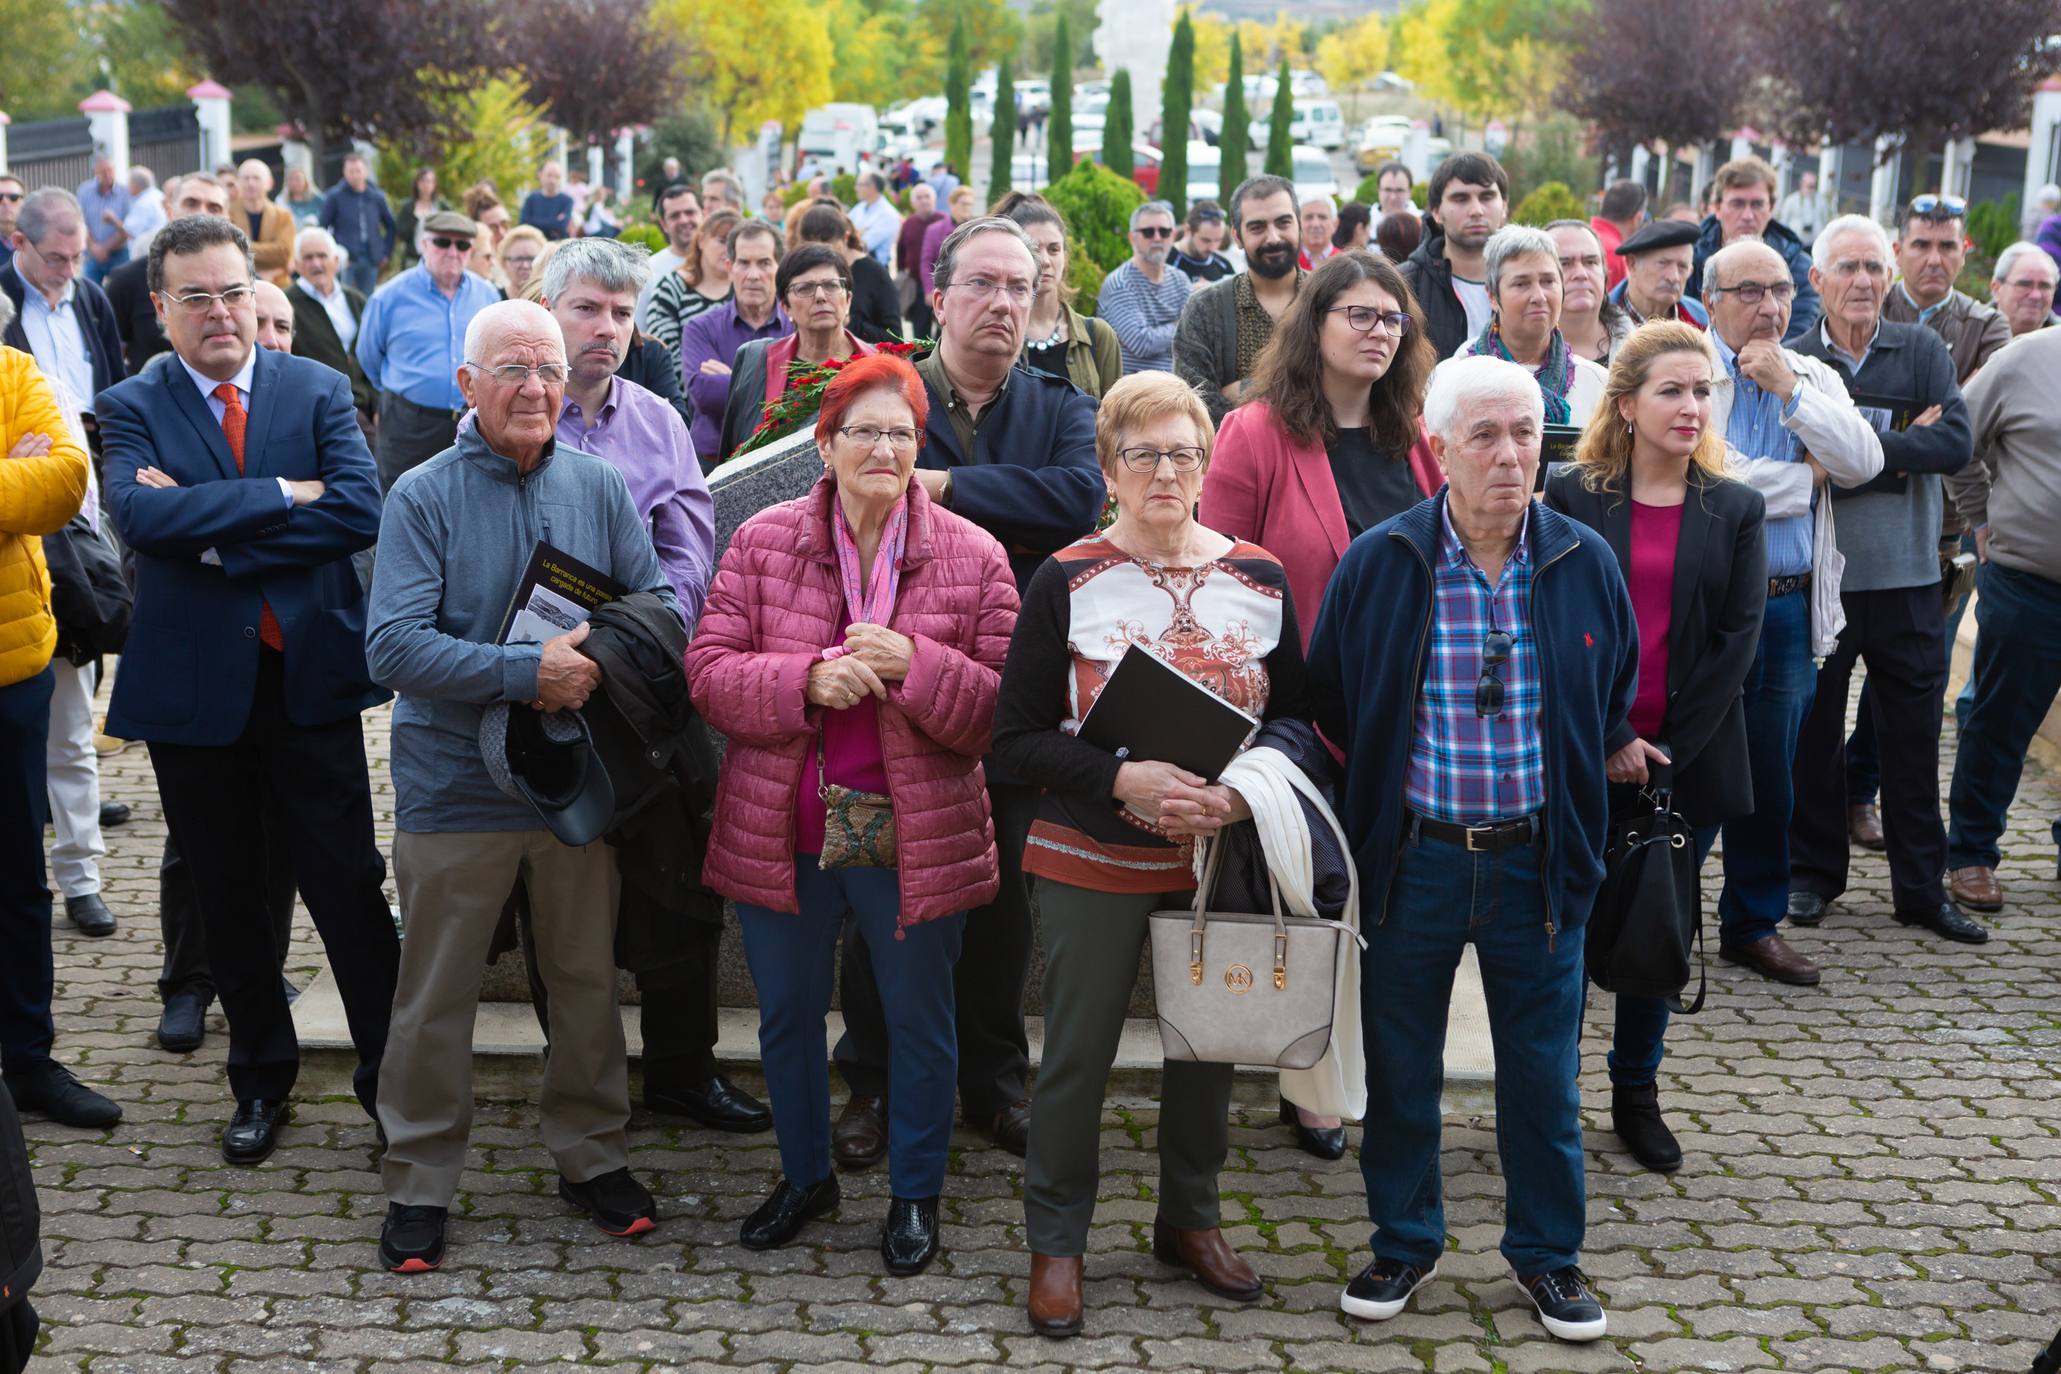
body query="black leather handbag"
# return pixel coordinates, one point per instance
(88, 594)
(1649, 911)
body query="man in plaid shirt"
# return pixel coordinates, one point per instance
(1473, 655)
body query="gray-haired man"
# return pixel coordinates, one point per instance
(1142, 299)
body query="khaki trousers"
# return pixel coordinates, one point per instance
(453, 887)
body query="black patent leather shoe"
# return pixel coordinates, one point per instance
(184, 1025)
(780, 1217)
(253, 1131)
(89, 915)
(1313, 1140)
(1948, 920)
(719, 1105)
(1806, 908)
(47, 1088)
(113, 814)
(908, 1243)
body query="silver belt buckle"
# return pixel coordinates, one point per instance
(1472, 831)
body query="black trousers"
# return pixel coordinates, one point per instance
(178, 914)
(26, 965)
(311, 781)
(410, 435)
(1901, 635)
(994, 961)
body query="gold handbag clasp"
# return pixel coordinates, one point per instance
(1195, 956)
(1280, 961)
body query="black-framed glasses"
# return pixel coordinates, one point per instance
(1488, 692)
(1929, 206)
(1155, 231)
(1752, 292)
(816, 290)
(1148, 459)
(1365, 318)
(462, 245)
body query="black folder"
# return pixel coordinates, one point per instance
(1151, 710)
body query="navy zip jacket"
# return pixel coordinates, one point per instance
(1366, 666)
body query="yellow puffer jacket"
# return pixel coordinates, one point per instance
(37, 497)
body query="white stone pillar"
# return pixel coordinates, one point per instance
(596, 164)
(1956, 161)
(1784, 163)
(1742, 144)
(1642, 158)
(4, 122)
(1706, 167)
(211, 108)
(107, 115)
(1882, 189)
(2043, 152)
(625, 164)
(1831, 167)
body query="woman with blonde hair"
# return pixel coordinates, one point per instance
(521, 258)
(701, 281)
(1649, 476)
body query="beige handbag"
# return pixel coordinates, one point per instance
(1235, 988)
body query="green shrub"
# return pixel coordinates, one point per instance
(1096, 204)
(649, 235)
(1420, 193)
(1084, 275)
(1993, 224)
(1368, 192)
(1549, 202)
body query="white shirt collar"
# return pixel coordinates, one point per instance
(242, 379)
(335, 293)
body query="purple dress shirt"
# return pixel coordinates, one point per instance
(718, 334)
(643, 438)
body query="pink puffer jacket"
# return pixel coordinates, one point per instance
(774, 605)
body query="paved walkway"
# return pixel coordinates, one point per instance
(1873, 1183)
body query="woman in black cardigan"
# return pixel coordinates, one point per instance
(876, 314)
(1649, 477)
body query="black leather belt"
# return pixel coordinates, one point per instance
(1783, 586)
(1482, 839)
(454, 416)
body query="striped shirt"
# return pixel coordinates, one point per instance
(1143, 313)
(1467, 768)
(1755, 429)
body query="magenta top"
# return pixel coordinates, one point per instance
(1655, 531)
(851, 756)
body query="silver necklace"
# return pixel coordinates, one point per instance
(1055, 337)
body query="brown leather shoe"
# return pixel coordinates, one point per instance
(1206, 1255)
(1055, 1295)
(1975, 887)
(1864, 826)
(1010, 1128)
(1773, 958)
(859, 1138)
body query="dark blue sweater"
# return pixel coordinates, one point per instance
(1366, 667)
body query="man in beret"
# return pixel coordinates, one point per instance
(411, 343)
(1658, 259)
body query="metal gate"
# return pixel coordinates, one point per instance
(51, 152)
(166, 140)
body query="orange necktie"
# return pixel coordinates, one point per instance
(234, 417)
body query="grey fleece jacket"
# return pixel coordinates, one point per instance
(454, 539)
(2014, 483)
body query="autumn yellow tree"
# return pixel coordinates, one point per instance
(1212, 50)
(884, 51)
(1486, 58)
(753, 63)
(1353, 54)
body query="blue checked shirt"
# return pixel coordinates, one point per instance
(1466, 768)
(1755, 429)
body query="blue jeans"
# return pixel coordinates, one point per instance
(2017, 673)
(1635, 1047)
(361, 273)
(26, 969)
(1443, 898)
(793, 959)
(1778, 693)
(96, 271)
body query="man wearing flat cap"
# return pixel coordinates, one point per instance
(411, 343)
(1658, 260)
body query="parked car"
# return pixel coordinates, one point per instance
(1381, 139)
(1084, 89)
(924, 116)
(1312, 173)
(1034, 97)
(1318, 122)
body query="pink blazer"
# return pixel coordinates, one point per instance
(1265, 487)
(774, 604)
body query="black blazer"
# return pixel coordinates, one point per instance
(1720, 594)
(96, 320)
(128, 291)
(315, 336)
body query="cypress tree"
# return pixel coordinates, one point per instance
(1059, 133)
(1003, 131)
(1116, 129)
(1236, 140)
(1280, 157)
(1176, 110)
(959, 103)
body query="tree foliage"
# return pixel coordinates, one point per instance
(1625, 77)
(992, 26)
(503, 140)
(595, 65)
(1549, 202)
(751, 64)
(1177, 109)
(958, 102)
(1237, 136)
(885, 51)
(1280, 148)
(1096, 204)
(1353, 53)
(395, 68)
(1059, 136)
(41, 61)
(1002, 133)
(1213, 36)
(1117, 125)
(136, 50)
(1041, 30)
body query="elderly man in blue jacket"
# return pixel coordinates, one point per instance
(1473, 656)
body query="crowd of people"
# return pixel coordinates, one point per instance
(1589, 470)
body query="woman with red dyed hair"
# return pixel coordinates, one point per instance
(851, 648)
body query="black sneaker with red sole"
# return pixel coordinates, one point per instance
(412, 1240)
(618, 1203)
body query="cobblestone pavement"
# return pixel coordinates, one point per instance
(1873, 1182)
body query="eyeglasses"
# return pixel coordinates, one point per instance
(869, 436)
(1752, 292)
(1207, 216)
(1939, 207)
(981, 289)
(13, 197)
(71, 260)
(1488, 693)
(1147, 459)
(201, 302)
(525, 260)
(1155, 231)
(462, 245)
(518, 374)
(817, 290)
(1366, 318)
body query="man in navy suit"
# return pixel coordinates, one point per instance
(241, 479)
